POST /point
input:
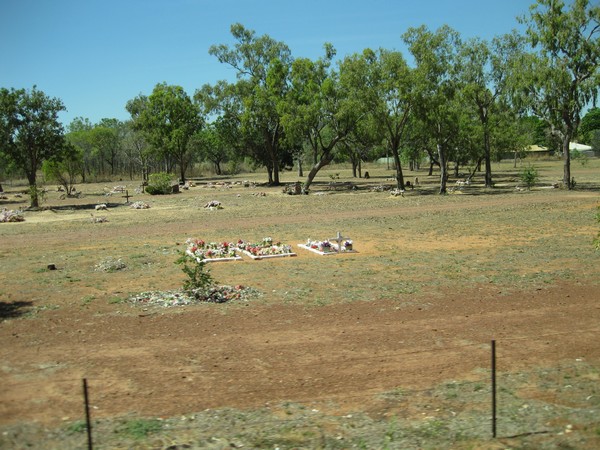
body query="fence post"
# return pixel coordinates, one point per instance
(87, 414)
(493, 388)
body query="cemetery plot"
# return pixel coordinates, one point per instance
(265, 249)
(332, 246)
(203, 251)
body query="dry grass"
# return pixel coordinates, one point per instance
(411, 250)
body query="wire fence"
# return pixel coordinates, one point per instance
(491, 402)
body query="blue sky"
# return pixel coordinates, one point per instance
(95, 55)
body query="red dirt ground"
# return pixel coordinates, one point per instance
(174, 363)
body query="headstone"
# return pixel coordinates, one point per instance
(339, 239)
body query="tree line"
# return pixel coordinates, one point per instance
(462, 102)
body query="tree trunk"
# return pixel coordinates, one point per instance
(182, 167)
(325, 160)
(276, 173)
(567, 180)
(399, 174)
(33, 191)
(487, 157)
(443, 168)
(300, 171)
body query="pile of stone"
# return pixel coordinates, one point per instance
(8, 215)
(213, 294)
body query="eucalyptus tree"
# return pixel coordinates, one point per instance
(226, 102)
(80, 136)
(559, 77)
(106, 137)
(169, 118)
(137, 152)
(590, 125)
(362, 143)
(138, 142)
(262, 65)
(216, 142)
(65, 169)
(383, 83)
(483, 70)
(318, 110)
(436, 87)
(30, 132)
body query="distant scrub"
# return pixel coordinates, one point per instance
(159, 184)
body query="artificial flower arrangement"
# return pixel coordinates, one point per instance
(330, 246)
(265, 248)
(322, 246)
(203, 251)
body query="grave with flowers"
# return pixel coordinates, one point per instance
(203, 251)
(265, 249)
(331, 246)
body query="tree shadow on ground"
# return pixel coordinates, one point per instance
(86, 206)
(10, 310)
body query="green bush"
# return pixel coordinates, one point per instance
(529, 175)
(159, 184)
(198, 276)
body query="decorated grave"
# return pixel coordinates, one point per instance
(203, 251)
(331, 246)
(265, 249)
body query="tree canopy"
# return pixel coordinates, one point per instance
(31, 132)
(458, 102)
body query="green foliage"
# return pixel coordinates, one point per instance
(66, 169)
(257, 99)
(198, 276)
(169, 119)
(37, 195)
(159, 184)
(589, 123)
(529, 175)
(559, 77)
(140, 428)
(30, 132)
(76, 427)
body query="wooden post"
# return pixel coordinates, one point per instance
(87, 414)
(493, 388)
(126, 196)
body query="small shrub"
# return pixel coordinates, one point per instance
(140, 428)
(198, 277)
(529, 175)
(76, 427)
(159, 184)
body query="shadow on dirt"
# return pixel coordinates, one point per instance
(13, 309)
(83, 207)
